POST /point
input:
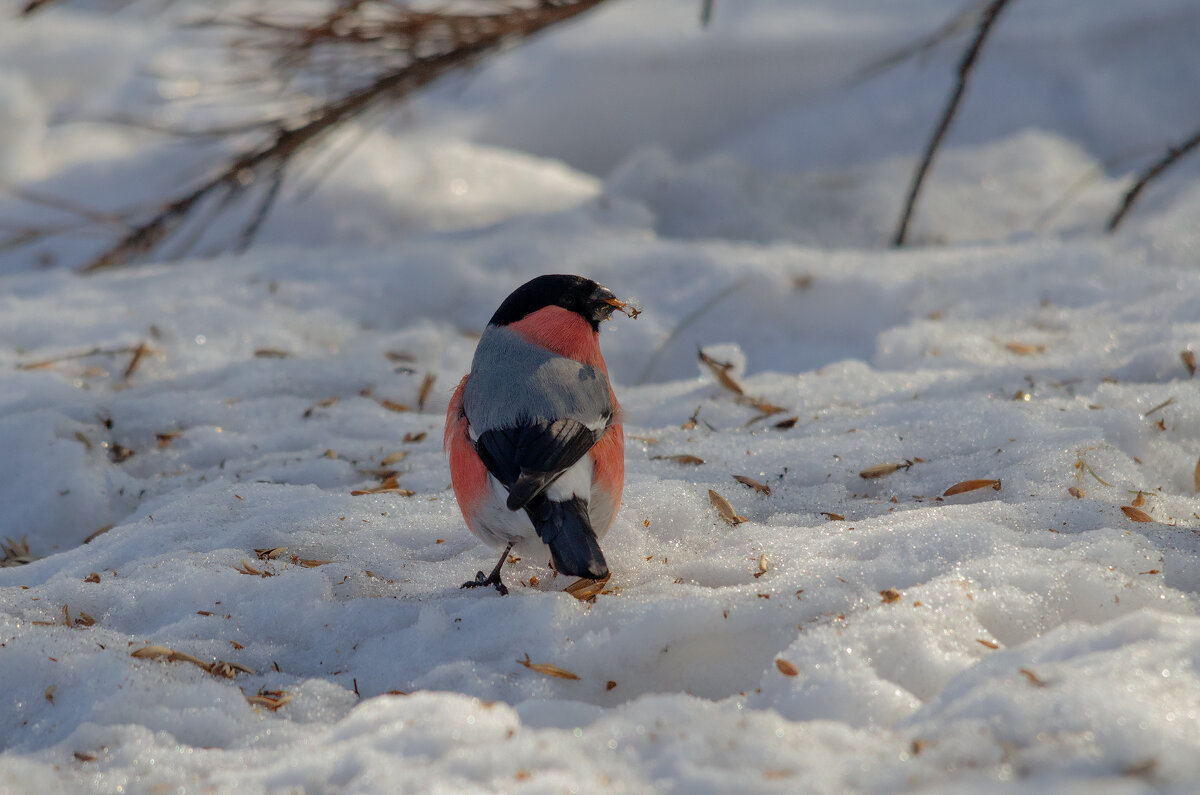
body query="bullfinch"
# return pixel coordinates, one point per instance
(533, 432)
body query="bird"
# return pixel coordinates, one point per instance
(533, 431)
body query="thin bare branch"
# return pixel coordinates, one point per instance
(964, 19)
(65, 205)
(1173, 155)
(986, 21)
(260, 215)
(34, 5)
(458, 41)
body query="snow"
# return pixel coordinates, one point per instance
(996, 640)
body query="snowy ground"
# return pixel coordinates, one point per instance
(854, 634)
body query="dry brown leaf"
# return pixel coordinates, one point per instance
(549, 669)
(786, 668)
(394, 458)
(392, 405)
(972, 485)
(400, 356)
(165, 439)
(609, 685)
(764, 408)
(226, 670)
(724, 508)
(308, 563)
(45, 365)
(1033, 678)
(1075, 492)
(679, 459)
(270, 353)
(1025, 348)
(585, 588)
(1189, 361)
(119, 453)
(1196, 475)
(82, 757)
(783, 425)
(1139, 500)
(764, 564)
(218, 668)
(833, 517)
(383, 473)
(879, 470)
(1136, 514)
(324, 404)
(269, 553)
(761, 488)
(269, 699)
(246, 568)
(50, 694)
(720, 371)
(991, 644)
(390, 486)
(412, 438)
(423, 393)
(93, 577)
(890, 595)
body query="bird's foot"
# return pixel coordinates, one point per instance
(484, 579)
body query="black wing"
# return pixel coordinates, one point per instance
(528, 458)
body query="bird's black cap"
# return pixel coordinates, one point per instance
(592, 301)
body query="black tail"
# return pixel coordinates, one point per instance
(567, 530)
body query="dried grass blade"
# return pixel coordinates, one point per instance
(724, 508)
(720, 371)
(879, 470)
(761, 488)
(1136, 514)
(586, 588)
(691, 460)
(423, 393)
(549, 669)
(972, 485)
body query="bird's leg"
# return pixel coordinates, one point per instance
(493, 578)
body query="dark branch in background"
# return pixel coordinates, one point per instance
(986, 21)
(964, 19)
(1174, 154)
(33, 5)
(706, 12)
(406, 49)
(462, 40)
